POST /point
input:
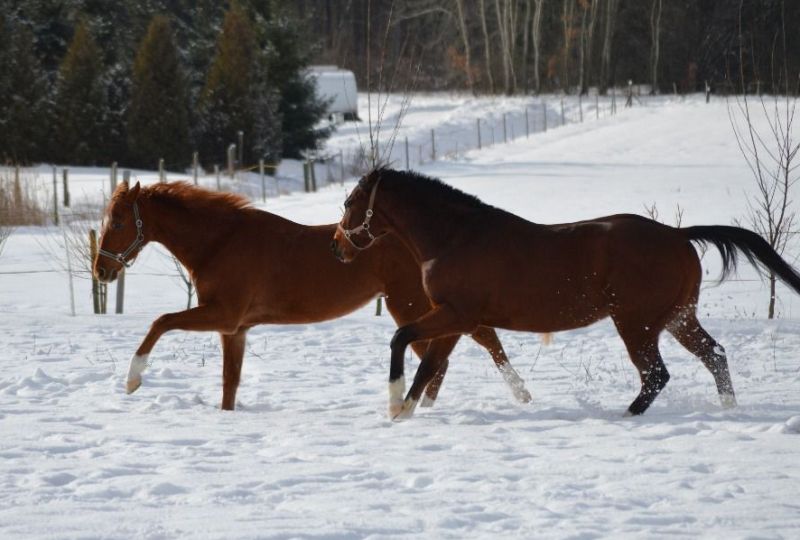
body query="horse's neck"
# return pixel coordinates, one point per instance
(187, 235)
(427, 232)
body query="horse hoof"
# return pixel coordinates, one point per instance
(133, 385)
(406, 410)
(728, 401)
(522, 395)
(395, 408)
(426, 402)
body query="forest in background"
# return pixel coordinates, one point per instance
(96, 81)
(530, 46)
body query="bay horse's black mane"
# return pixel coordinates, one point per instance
(425, 187)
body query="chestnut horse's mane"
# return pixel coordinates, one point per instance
(195, 198)
(431, 189)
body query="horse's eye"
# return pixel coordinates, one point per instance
(348, 202)
(116, 225)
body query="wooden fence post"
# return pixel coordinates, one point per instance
(407, 159)
(433, 146)
(120, 291)
(505, 128)
(527, 124)
(113, 177)
(95, 283)
(597, 106)
(263, 180)
(313, 170)
(580, 107)
(231, 158)
(478, 123)
(55, 196)
(161, 176)
(544, 116)
(563, 116)
(341, 161)
(216, 173)
(65, 179)
(306, 177)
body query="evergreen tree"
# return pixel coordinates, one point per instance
(158, 123)
(23, 111)
(80, 103)
(236, 97)
(300, 108)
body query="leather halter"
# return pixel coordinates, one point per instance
(349, 233)
(138, 241)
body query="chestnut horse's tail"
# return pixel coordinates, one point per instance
(730, 240)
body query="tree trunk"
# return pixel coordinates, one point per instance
(655, 30)
(462, 26)
(487, 46)
(536, 38)
(608, 38)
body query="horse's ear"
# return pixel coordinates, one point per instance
(133, 193)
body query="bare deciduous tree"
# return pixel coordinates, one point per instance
(771, 154)
(655, 32)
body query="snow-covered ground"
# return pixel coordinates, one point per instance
(309, 452)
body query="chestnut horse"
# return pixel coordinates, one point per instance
(483, 266)
(251, 267)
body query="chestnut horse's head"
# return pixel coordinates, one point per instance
(362, 223)
(122, 233)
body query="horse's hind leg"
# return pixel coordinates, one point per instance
(642, 344)
(233, 346)
(689, 333)
(432, 390)
(487, 338)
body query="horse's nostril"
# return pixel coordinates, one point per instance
(101, 273)
(334, 246)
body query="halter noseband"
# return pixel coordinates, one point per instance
(349, 233)
(138, 241)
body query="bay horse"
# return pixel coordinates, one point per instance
(481, 265)
(252, 267)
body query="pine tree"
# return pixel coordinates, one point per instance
(158, 125)
(236, 96)
(80, 103)
(23, 110)
(300, 108)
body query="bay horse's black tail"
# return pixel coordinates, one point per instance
(729, 240)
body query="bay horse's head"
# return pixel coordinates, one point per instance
(122, 233)
(362, 223)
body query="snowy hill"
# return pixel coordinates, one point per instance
(309, 452)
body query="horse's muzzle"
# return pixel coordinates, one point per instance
(105, 276)
(336, 251)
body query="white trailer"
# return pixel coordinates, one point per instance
(339, 87)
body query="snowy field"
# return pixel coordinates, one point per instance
(309, 452)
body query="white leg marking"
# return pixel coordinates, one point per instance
(397, 390)
(406, 410)
(426, 401)
(137, 367)
(728, 401)
(516, 383)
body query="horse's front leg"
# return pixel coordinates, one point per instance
(439, 322)
(202, 319)
(233, 346)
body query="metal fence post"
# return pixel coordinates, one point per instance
(527, 124)
(161, 176)
(195, 165)
(407, 162)
(433, 146)
(113, 177)
(478, 122)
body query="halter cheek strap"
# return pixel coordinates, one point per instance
(122, 257)
(349, 233)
